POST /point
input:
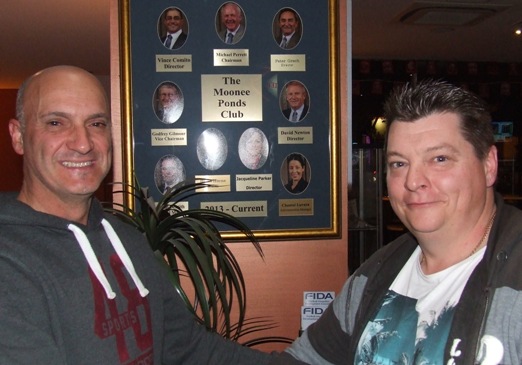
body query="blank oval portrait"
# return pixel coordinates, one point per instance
(173, 28)
(253, 148)
(212, 149)
(168, 102)
(169, 171)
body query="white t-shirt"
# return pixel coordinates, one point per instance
(415, 317)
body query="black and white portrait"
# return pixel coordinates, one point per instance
(168, 102)
(253, 148)
(168, 172)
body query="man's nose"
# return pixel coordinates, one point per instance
(80, 140)
(416, 177)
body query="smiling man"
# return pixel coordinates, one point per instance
(79, 286)
(289, 29)
(168, 102)
(173, 21)
(231, 17)
(296, 101)
(448, 291)
(63, 131)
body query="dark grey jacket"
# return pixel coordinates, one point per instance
(490, 308)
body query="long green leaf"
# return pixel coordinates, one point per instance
(193, 237)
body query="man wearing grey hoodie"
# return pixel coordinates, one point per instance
(77, 285)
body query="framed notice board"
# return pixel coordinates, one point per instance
(244, 94)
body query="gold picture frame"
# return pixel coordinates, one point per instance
(231, 91)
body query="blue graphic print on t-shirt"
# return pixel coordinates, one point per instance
(395, 335)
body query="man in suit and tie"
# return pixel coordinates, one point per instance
(168, 102)
(297, 101)
(290, 30)
(173, 21)
(171, 172)
(231, 17)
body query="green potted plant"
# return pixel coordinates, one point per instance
(202, 267)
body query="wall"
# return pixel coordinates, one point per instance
(274, 287)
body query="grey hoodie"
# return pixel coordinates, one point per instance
(95, 294)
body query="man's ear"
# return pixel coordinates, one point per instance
(15, 129)
(491, 166)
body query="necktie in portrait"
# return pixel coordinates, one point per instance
(168, 41)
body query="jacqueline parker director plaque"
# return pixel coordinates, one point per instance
(244, 94)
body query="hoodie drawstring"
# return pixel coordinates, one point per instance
(94, 264)
(120, 250)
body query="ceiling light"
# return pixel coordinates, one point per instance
(517, 29)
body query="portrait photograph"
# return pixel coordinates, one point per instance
(230, 23)
(294, 101)
(169, 171)
(287, 28)
(253, 148)
(295, 173)
(173, 28)
(168, 102)
(212, 149)
(253, 83)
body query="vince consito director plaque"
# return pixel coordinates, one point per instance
(231, 98)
